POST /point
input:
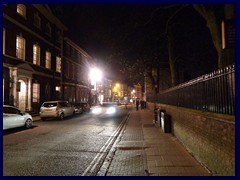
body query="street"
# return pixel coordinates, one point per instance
(75, 146)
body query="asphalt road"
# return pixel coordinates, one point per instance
(75, 146)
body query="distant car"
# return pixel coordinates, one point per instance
(13, 117)
(56, 109)
(107, 109)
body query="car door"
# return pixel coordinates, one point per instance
(12, 117)
(69, 109)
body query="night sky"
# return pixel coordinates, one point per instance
(105, 31)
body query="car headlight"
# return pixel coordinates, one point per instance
(111, 110)
(96, 110)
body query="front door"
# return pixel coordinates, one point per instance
(22, 93)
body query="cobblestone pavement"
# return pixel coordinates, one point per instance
(145, 150)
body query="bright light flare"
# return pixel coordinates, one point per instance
(111, 110)
(97, 110)
(95, 74)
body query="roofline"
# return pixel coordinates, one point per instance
(49, 15)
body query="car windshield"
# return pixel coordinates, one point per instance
(49, 104)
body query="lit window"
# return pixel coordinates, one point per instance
(36, 92)
(37, 20)
(58, 64)
(21, 9)
(4, 34)
(20, 47)
(36, 54)
(48, 60)
(58, 88)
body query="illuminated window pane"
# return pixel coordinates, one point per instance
(36, 54)
(36, 92)
(48, 60)
(21, 9)
(20, 47)
(58, 64)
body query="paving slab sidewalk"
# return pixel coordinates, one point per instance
(145, 150)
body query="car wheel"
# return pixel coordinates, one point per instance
(28, 123)
(61, 116)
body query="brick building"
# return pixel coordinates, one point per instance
(76, 64)
(38, 63)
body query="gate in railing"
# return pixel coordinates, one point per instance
(213, 92)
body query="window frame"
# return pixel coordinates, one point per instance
(36, 93)
(58, 64)
(48, 60)
(19, 54)
(37, 20)
(21, 10)
(36, 54)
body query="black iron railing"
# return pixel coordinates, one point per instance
(213, 92)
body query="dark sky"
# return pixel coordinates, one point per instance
(96, 27)
(105, 30)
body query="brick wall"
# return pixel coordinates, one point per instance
(209, 137)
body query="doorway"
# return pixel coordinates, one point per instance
(22, 93)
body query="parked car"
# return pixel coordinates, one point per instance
(56, 109)
(86, 107)
(13, 117)
(78, 107)
(81, 107)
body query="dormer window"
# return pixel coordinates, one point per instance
(37, 20)
(48, 29)
(21, 9)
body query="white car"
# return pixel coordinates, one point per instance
(56, 109)
(13, 117)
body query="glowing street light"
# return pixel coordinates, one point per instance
(95, 75)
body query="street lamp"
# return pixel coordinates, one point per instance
(95, 75)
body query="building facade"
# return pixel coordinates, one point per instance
(76, 65)
(32, 55)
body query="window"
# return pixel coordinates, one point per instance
(36, 92)
(21, 9)
(48, 29)
(36, 54)
(37, 20)
(4, 34)
(48, 60)
(58, 64)
(20, 47)
(58, 36)
(66, 72)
